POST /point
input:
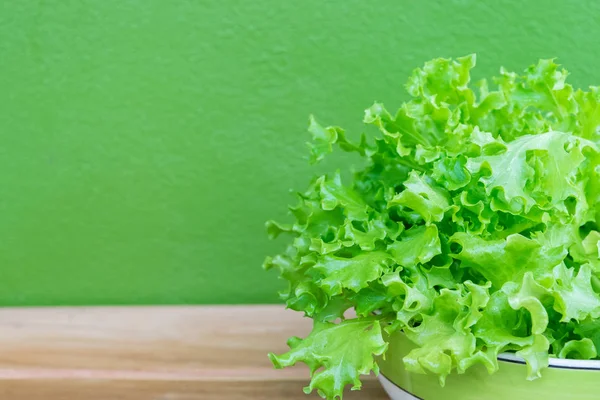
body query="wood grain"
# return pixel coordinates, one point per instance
(163, 353)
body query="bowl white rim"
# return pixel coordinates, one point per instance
(555, 362)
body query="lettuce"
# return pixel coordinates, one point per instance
(473, 228)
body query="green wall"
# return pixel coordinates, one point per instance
(144, 143)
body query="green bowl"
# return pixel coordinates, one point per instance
(564, 379)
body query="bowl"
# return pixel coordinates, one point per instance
(564, 379)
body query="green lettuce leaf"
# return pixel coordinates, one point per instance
(344, 351)
(417, 245)
(338, 273)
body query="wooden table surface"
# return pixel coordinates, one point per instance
(162, 353)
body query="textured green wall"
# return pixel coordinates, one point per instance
(144, 143)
